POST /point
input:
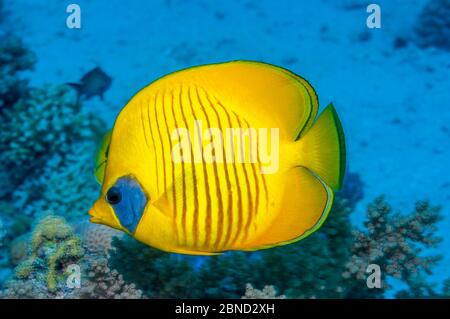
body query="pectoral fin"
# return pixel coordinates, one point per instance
(173, 195)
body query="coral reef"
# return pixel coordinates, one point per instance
(395, 242)
(268, 292)
(53, 247)
(44, 272)
(104, 283)
(40, 126)
(66, 184)
(46, 150)
(48, 124)
(47, 147)
(433, 25)
(14, 58)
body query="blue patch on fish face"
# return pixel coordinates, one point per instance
(128, 201)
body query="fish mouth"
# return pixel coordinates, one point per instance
(101, 214)
(95, 216)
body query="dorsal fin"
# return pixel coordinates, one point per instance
(266, 95)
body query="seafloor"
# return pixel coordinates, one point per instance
(391, 90)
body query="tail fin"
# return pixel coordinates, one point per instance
(322, 148)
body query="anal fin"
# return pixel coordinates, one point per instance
(306, 203)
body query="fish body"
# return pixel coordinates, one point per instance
(186, 168)
(93, 83)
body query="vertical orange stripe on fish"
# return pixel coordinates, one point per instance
(152, 136)
(249, 212)
(237, 202)
(204, 215)
(257, 176)
(228, 198)
(144, 127)
(192, 211)
(170, 170)
(161, 158)
(179, 188)
(216, 221)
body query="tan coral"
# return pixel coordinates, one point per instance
(97, 238)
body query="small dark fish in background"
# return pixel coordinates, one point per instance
(93, 83)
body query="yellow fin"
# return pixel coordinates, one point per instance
(102, 157)
(164, 205)
(322, 148)
(306, 203)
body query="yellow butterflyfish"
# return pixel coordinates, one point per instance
(221, 157)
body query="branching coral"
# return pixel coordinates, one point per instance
(395, 243)
(104, 283)
(433, 25)
(268, 292)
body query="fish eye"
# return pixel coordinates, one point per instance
(114, 196)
